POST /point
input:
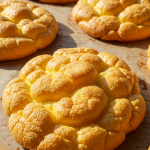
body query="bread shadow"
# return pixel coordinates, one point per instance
(140, 137)
(142, 44)
(62, 40)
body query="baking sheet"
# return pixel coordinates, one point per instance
(70, 35)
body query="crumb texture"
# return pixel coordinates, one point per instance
(121, 20)
(24, 28)
(77, 99)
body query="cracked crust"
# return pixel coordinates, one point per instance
(113, 20)
(25, 28)
(77, 99)
(57, 1)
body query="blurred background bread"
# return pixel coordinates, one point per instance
(112, 20)
(57, 1)
(148, 61)
(25, 28)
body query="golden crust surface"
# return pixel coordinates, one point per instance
(148, 61)
(25, 28)
(58, 1)
(77, 99)
(112, 20)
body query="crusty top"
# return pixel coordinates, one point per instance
(24, 28)
(122, 20)
(58, 1)
(77, 99)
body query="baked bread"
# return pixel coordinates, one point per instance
(25, 28)
(111, 20)
(57, 1)
(77, 99)
(148, 61)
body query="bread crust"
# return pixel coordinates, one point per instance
(26, 30)
(76, 99)
(114, 19)
(148, 60)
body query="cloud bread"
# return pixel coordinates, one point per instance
(148, 61)
(25, 28)
(77, 99)
(126, 20)
(58, 1)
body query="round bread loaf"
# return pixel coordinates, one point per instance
(148, 61)
(25, 28)
(121, 20)
(77, 99)
(58, 1)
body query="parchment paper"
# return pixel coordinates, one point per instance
(70, 35)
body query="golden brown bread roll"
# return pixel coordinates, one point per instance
(77, 99)
(111, 20)
(57, 1)
(148, 61)
(25, 28)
